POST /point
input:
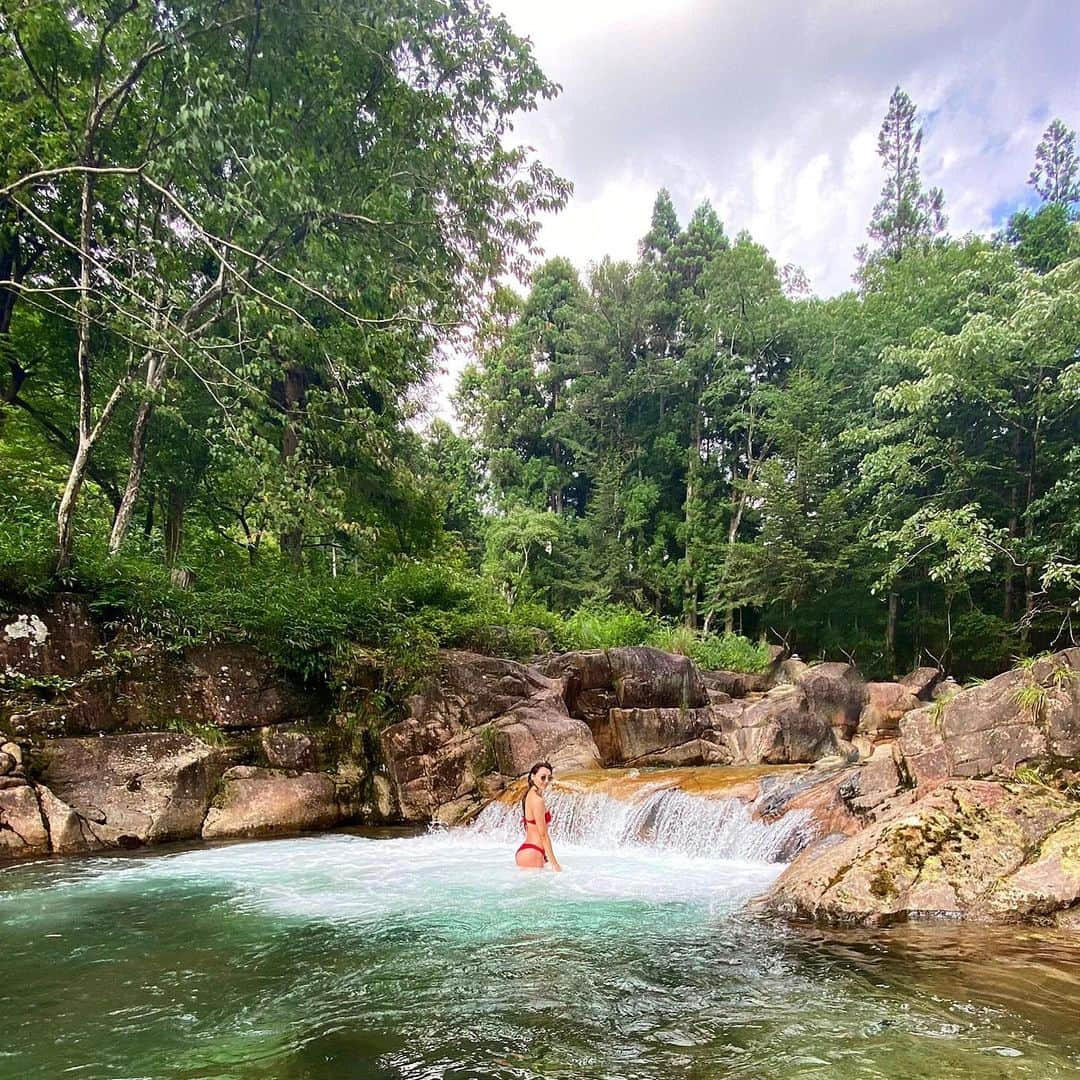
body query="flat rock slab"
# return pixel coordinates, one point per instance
(263, 802)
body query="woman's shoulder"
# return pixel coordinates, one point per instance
(532, 794)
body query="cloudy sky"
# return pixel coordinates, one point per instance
(770, 109)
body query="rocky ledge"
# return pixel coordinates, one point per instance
(984, 824)
(970, 849)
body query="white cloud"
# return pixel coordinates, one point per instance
(771, 111)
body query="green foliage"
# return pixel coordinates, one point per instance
(1054, 774)
(730, 652)
(683, 449)
(714, 652)
(606, 627)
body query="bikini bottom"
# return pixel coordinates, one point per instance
(531, 847)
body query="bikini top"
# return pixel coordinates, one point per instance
(530, 821)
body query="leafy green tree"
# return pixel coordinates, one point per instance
(336, 198)
(1043, 239)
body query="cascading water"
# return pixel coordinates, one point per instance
(658, 816)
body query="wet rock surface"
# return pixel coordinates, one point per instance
(911, 783)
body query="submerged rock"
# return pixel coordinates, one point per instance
(970, 849)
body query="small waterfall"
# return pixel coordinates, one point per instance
(658, 816)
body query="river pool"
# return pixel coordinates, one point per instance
(349, 955)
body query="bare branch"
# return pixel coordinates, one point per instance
(45, 174)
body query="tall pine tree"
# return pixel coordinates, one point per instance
(1054, 176)
(906, 216)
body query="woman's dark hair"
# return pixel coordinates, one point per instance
(532, 772)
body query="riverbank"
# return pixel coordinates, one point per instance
(923, 796)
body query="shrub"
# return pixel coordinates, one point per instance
(713, 652)
(606, 627)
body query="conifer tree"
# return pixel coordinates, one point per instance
(906, 216)
(1054, 176)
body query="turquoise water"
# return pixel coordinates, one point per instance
(432, 956)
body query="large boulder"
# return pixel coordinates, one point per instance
(134, 789)
(22, 829)
(736, 684)
(69, 834)
(783, 727)
(284, 748)
(660, 736)
(988, 730)
(475, 716)
(922, 681)
(885, 704)
(639, 677)
(238, 687)
(834, 694)
(134, 685)
(876, 781)
(970, 849)
(264, 802)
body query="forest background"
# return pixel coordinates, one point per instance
(234, 236)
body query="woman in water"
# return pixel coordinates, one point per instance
(534, 814)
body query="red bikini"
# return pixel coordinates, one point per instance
(532, 847)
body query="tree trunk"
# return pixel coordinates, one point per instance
(82, 451)
(1014, 499)
(1029, 530)
(174, 522)
(140, 432)
(75, 480)
(292, 538)
(890, 631)
(690, 580)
